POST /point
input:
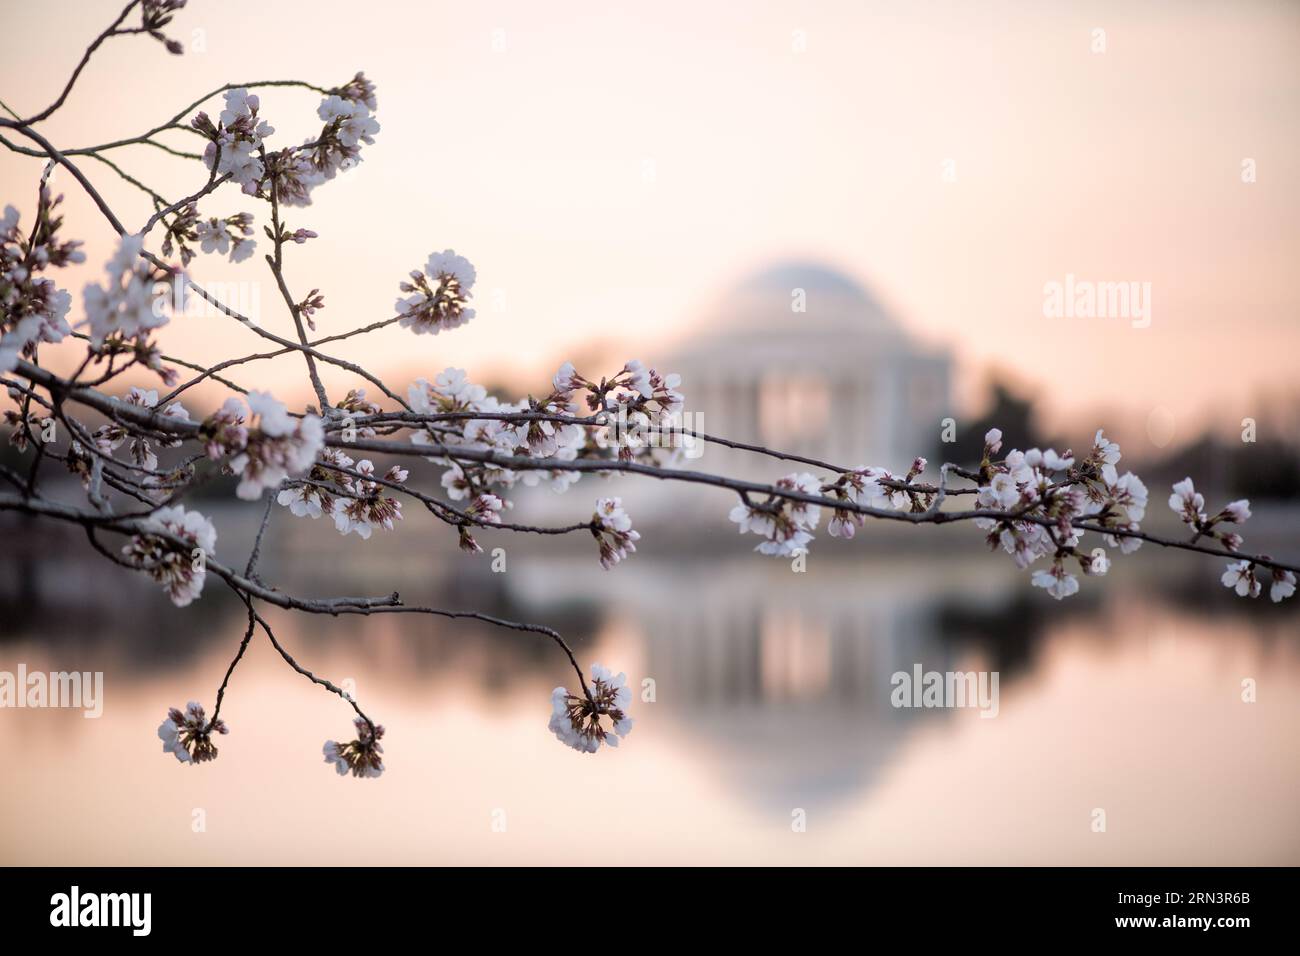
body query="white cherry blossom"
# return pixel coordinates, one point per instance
(126, 304)
(437, 298)
(187, 734)
(1240, 576)
(1104, 451)
(356, 125)
(612, 529)
(1057, 581)
(234, 145)
(276, 445)
(787, 524)
(585, 723)
(362, 757)
(172, 547)
(1188, 503)
(1237, 511)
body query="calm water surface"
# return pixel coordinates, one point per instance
(772, 694)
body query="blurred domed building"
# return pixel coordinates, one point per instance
(798, 358)
(801, 358)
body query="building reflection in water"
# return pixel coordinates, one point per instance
(782, 680)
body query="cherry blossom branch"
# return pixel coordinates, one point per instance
(310, 352)
(1033, 505)
(152, 419)
(602, 419)
(239, 656)
(275, 262)
(288, 658)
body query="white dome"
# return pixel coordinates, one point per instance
(761, 317)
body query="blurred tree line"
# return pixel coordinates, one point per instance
(1267, 468)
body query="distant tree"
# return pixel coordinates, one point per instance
(1008, 411)
(1268, 469)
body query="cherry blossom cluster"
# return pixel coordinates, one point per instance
(348, 124)
(485, 509)
(361, 757)
(355, 501)
(234, 146)
(264, 444)
(612, 529)
(1241, 576)
(785, 524)
(309, 306)
(187, 734)
(1031, 504)
(225, 236)
(542, 432)
(127, 306)
(111, 435)
(172, 548)
(359, 90)
(1045, 495)
(437, 298)
(1039, 495)
(634, 402)
(585, 721)
(1189, 505)
(35, 309)
(872, 488)
(237, 144)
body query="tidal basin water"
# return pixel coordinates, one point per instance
(772, 697)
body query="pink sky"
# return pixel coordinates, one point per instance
(530, 160)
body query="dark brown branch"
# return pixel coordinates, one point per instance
(85, 58)
(239, 655)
